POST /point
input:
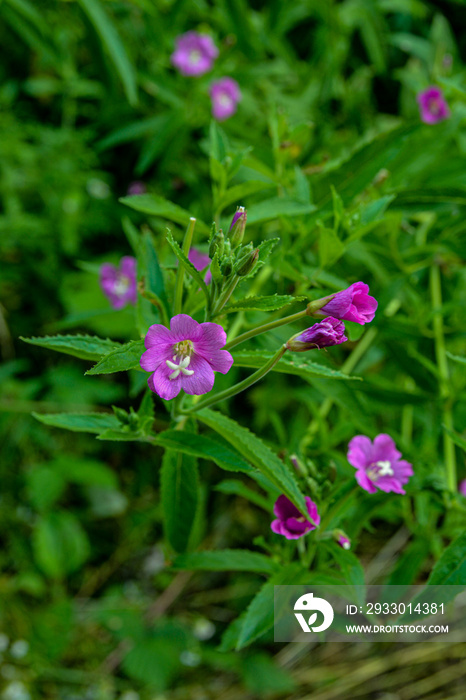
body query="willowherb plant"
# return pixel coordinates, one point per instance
(183, 314)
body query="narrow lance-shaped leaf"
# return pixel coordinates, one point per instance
(113, 46)
(269, 303)
(226, 560)
(80, 422)
(85, 347)
(289, 364)
(122, 359)
(154, 205)
(179, 485)
(256, 452)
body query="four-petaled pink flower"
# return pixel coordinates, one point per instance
(225, 95)
(352, 304)
(290, 522)
(462, 488)
(119, 284)
(378, 464)
(184, 356)
(200, 261)
(194, 54)
(320, 335)
(432, 105)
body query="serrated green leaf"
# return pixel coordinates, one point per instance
(85, 347)
(450, 570)
(179, 484)
(259, 616)
(270, 303)
(204, 448)
(80, 422)
(121, 359)
(226, 560)
(297, 364)
(256, 452)
(113, 45)
(154, 205)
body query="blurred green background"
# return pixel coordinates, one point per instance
(89, 103)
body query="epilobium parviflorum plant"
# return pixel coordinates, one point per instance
(208, 338)
(261, 380)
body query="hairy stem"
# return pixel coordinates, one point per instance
(263, 329)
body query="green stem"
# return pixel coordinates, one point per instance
(226, 294)
(444, 383)
(263, 329)
(241, 386)
(178, 296)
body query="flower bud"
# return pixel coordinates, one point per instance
(244, 267)
(320, 335)
(121, 414)
(226, 267)
(217, 245)
(238, 225)
(342, 539)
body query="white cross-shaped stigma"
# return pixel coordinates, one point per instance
(182, 367)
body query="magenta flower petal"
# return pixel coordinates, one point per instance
(194, 54)
(432, 105)
(378, 464)
(119, 284)
(161, 384)
(184, 356)
(385, 448)
(202, 381)
(320, 335)
(182, 327)
(352, 304)
(225, 95)
(199, 260)
(151, 359)
(290, 522)
(462, 488)
(359, 451)
(158, 335)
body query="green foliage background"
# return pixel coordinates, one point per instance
(328, 153)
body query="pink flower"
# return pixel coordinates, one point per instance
(200, 261)
(225, 95)
(320, 335)
(194, 54)
(352, 304)
(184, 357)
(378, 464)
(119, 284)
(290, 522)
(462, 488)
(432, 105)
